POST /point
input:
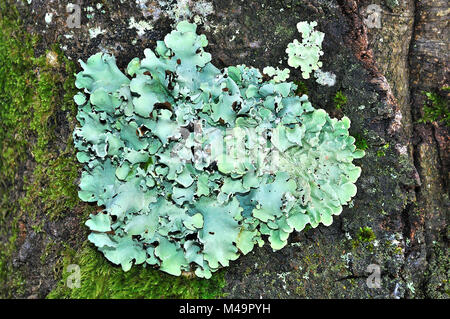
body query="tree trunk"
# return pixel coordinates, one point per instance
(397, 221)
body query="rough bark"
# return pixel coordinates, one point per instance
(402, 193)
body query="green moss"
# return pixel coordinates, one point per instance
(364, 236)
(436, 107)
(16, 74)
(101, 279)
(301, 88)
(36, 97)
(340, 99)
(281, 30)
(382, 151)
(360, 142)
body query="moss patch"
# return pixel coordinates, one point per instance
(301, 88)
(31, 102)
(365, 236)
(101, 279)
(360, 142)
(436, 107)
(340, 99)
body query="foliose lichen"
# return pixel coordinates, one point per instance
(276, 74)
(306, 54)
(192, 165)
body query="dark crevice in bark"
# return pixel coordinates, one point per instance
(424, 135)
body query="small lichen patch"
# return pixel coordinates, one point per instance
(94, 32)
(52, 58)
(277, 74)
(306, 54)
(325, 78)
(141, 26)
(48, 17)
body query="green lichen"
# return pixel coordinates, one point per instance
(277, 74)
(306, 54)
(209, 157)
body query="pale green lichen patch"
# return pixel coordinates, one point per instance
(192, 164)
(306, 54)
(277, 74)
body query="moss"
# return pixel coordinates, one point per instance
(36, 97)
(365, 236)
(301, 88)
(340, 99)
(360, 142)
(15, 73)
(437, 275)
(101, 279)
(53, 180)
(280, 30)
(382, 151)
(436, 107)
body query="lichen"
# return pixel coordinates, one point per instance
(306, 54)
(276, 74)
(325, 78)
(211, 159)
